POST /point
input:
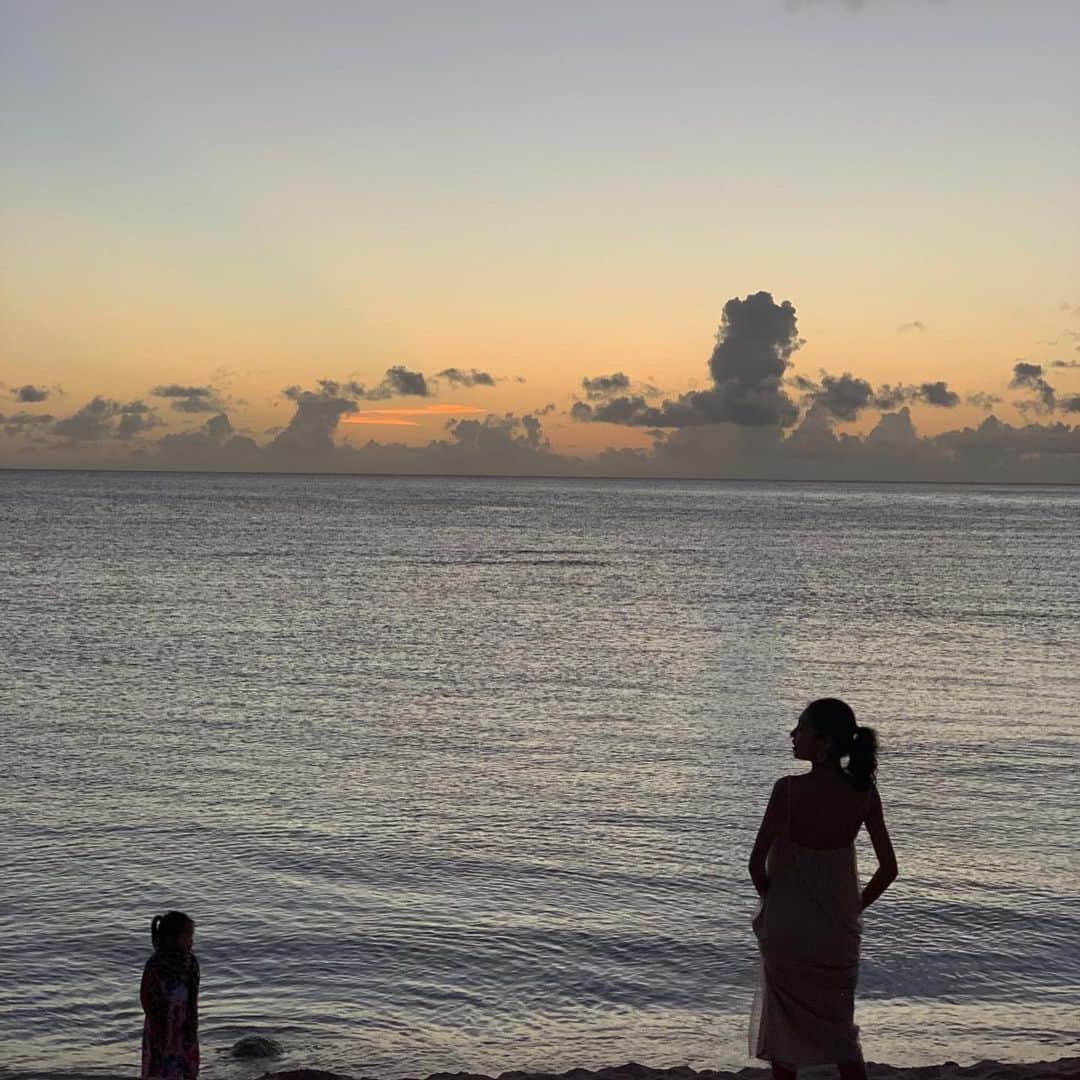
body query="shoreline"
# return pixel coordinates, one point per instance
(1065, 1068)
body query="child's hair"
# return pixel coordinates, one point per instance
(835, 720)
(165, 929)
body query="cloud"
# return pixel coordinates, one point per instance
(103, 418)
(603, 386)
(472, 377)
(397, 382)
(753, 351)
(888, 397)
(908, 327)
(136, 421)
(509, 431)
(983, 400)
(1065, 364)
(24, 423)
(90, 423)
(496, 444)
(635, 411)
(1030, 377)
(329, 388)
(406, 383)
(843, 396)
(892, 450)
(190, 399)
(517, 444)
(995, 448)
(752, 354)
(309, 434)
(214, 445)
(29, 394)
(743, 424)
(937, 393)
(846, 396)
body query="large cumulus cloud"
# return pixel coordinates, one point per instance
(753, 352)
(309, 434)
(748, 369)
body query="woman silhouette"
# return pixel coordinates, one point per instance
(808, 923)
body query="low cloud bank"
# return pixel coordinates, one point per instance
(755, 420)
(517, 444)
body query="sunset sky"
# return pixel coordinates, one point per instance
(242, 199)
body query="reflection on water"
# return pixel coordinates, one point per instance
(464, 774)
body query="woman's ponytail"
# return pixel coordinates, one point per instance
(834, 720)
(862, 759)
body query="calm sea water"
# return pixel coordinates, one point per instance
(464, 774)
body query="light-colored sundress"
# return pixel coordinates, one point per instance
(808, 928)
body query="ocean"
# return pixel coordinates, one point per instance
(464, 773)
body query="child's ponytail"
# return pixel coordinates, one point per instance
(165, 929)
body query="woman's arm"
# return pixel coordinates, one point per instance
(883, 849)
(767, 833)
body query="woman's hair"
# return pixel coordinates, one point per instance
(165, 929)
(834, 720)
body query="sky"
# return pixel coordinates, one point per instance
(776, 238)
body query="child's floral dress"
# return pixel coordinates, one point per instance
(170, 1000)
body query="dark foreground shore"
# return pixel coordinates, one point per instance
(1061, 1069)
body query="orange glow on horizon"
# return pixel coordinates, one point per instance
(390, 420)
(374, 416)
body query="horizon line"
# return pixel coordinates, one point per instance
(536, 476)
